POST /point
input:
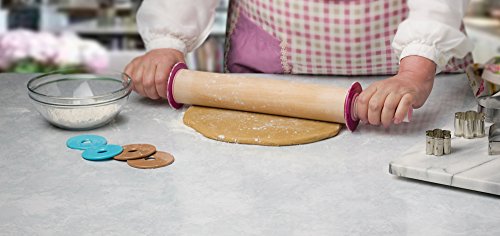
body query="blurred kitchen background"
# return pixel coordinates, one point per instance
(112, 24)
(109, 22)
(482, 23)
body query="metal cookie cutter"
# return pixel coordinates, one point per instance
(490, 106)
(469, 124)
(438, 142)
(494, 139)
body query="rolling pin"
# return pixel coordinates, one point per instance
(263, 95)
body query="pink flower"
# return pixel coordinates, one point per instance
(16, 39)
(94, 56)
(14, 46)
(43, 47)
(46, 48)
(68, 52)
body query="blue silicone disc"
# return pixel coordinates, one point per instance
(102, 152)
(83, 142)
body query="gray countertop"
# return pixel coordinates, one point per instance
(336, 186)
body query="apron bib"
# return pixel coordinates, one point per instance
(323, 37)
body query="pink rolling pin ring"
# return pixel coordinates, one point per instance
(350, 118)
(170, 83)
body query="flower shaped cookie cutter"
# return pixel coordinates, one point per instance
(469, 124)
(438, 142)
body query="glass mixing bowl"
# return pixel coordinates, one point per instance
(79, 101)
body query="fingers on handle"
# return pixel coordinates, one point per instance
(148, 81)
(389, 110)
(362, 102)
(137, 78)
(403, 108)
(161, 75)
(375, 107)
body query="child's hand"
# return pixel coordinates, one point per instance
(388, 101)
(149, 72)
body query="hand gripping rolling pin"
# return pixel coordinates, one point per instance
(270, 96)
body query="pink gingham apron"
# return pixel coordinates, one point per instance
(333, 37)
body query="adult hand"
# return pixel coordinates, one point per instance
(150, 71)
(388, 101)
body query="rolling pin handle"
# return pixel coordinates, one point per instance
(170, 84)
(350, 117)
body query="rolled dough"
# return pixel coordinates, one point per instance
(254, 128)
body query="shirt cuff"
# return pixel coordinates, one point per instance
(427, 51)
(167, 42)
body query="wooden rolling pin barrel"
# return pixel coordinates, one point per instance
(262, 95)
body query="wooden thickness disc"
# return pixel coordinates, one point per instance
(135, 151)
(157, 160)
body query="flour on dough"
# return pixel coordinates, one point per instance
(254, 128)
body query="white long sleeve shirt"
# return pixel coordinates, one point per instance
(432, 29)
